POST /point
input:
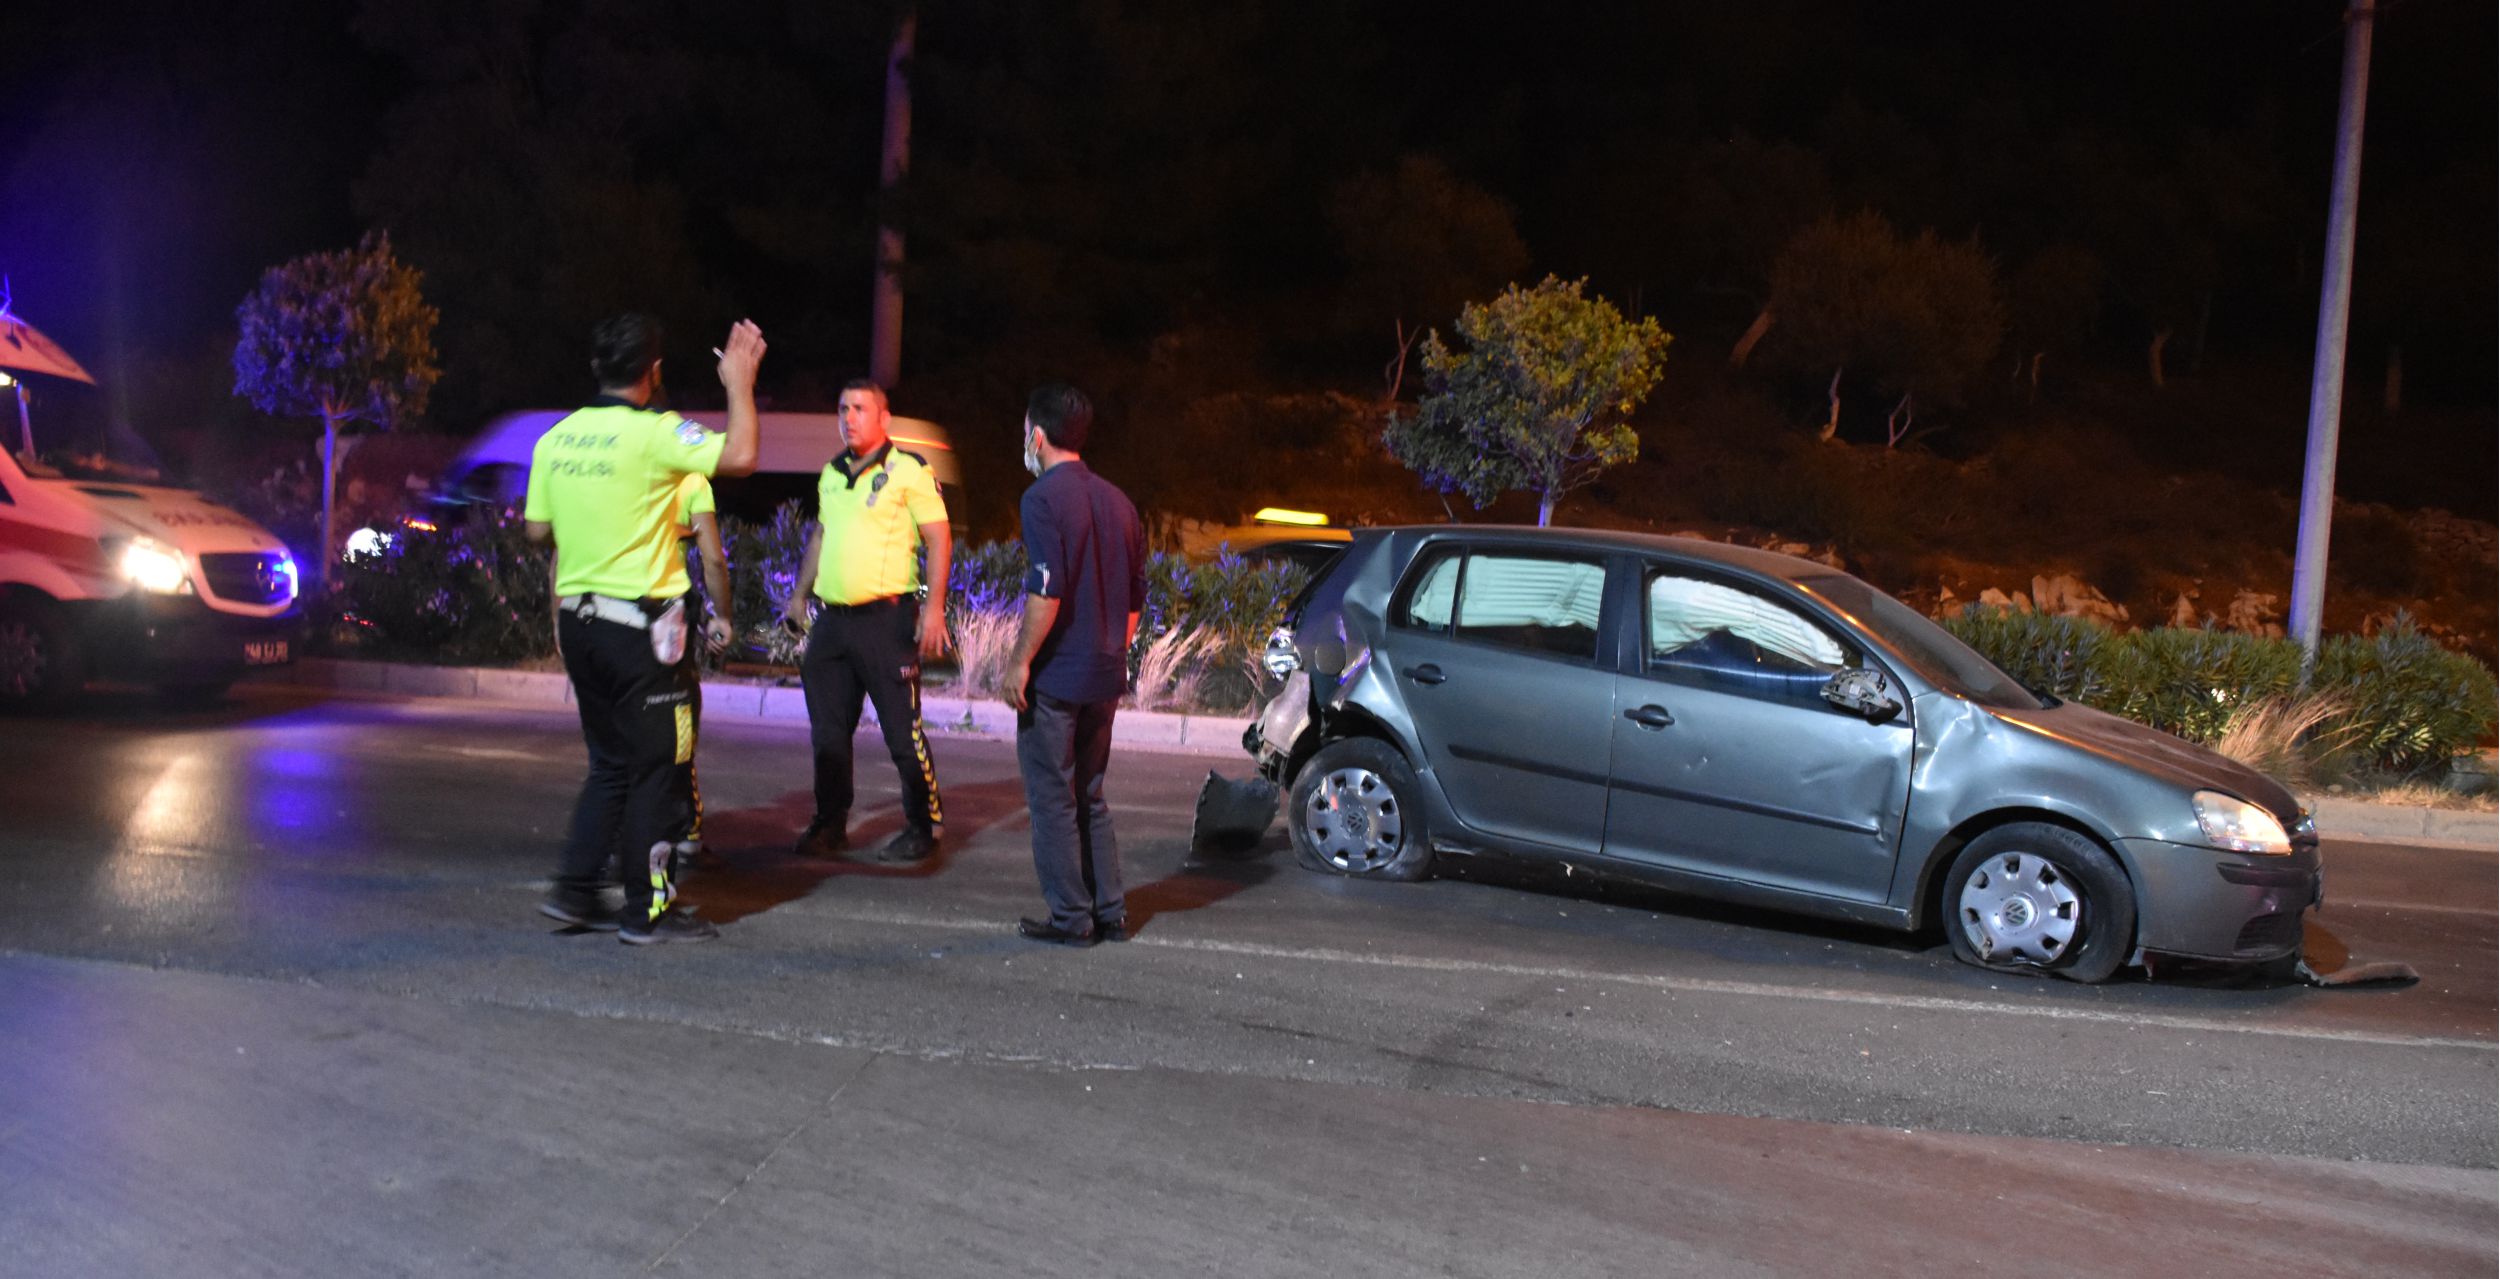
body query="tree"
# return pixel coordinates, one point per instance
(346, 336)
(1536, 401)
(1917, 316)
(2051, 305)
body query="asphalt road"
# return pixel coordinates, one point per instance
(277, 997)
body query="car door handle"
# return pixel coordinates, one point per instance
(1425, 674)
(1650, 717)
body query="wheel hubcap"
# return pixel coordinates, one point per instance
(2020, 908)
(1354, 820)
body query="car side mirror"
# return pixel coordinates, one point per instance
(1862, 692)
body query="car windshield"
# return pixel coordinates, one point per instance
(1942, 660)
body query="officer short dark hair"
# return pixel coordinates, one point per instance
(868, 384)
(623, 348)
(1063, 414)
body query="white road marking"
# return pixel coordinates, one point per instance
(1716, 986)
(2334, 904)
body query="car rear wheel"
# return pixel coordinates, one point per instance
(1354, 812)
(2032, 897)
(39, 661)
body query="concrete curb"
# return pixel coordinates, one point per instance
(2405, 824)
(1214, 736)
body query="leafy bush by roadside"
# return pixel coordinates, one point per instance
(471, 591)
(475, 591)
(763, 566)
(2407, 704)
(2416, 704)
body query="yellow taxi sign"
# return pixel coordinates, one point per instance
(1280, 515)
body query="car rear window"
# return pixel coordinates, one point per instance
(1535, 603)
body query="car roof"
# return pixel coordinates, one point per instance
(1770, 564)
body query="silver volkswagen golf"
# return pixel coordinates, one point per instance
(1761, 729)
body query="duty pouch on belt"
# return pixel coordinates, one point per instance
(668, 632)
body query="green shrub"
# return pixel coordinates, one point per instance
(763, 564)
(987, 577)
(2190, 681)
(2415, 704)
(2408, 704)
(2064, 656)
(469, 591)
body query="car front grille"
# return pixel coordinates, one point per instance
(2268, 933)
(248, 577)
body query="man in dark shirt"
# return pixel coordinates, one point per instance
(1083, 589)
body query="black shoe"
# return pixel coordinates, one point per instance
(823, 839)
(910, 844)
(677, 924)
(1110, 929)
(581, 910)
(1044, 931)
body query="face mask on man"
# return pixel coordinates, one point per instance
(1032, 450)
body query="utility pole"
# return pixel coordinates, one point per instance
(885, 335)
(2326, 378)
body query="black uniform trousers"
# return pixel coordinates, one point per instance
(638, 718)
(872, 651)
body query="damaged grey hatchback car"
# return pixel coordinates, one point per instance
(1755, 728)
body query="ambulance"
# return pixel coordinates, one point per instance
(102, 577)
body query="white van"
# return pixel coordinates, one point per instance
(495, 467)
(100, 577)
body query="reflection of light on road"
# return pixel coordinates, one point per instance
(288, 790)
(147, 871)
(168, 812)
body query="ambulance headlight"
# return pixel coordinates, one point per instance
(151, 565)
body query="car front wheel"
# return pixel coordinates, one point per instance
(1354, 812)
(2032, 897)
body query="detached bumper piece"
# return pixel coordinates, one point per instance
(1232, 817)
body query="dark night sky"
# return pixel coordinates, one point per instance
(1092, 178)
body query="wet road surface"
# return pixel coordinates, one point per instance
(1321, 1075)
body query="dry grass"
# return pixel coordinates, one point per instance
(1173, 666)
(983, 643)
(2294, 740)
(2418, 795)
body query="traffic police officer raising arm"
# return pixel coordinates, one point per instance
(603, 489)
(877, 507)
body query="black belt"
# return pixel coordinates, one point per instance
(869, 606)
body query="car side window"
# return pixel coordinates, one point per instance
(1711, 635)
(1536, 603)
(1432, 602)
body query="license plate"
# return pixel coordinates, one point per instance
(264, 652)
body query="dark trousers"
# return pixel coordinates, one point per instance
(638, 720)
(1063, 749)
(869, 652)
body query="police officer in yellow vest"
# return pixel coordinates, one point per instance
(603, 489)
(698, 521)
(877, 509)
